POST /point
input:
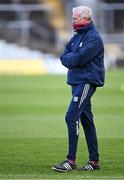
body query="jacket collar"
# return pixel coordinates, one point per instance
(86, 28)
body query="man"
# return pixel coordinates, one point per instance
(83, 56)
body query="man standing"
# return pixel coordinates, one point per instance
(83, 56)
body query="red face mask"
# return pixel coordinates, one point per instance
(79, 25)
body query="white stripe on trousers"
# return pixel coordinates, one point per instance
(77, 128)
(84, 93)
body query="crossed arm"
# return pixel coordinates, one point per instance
(81, 57)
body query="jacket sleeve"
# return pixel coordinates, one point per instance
(69, 59)
(65, 57)
(68, 45)
(85, 54)
(89, 50)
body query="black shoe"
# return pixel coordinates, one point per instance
(64, 167)
(89, 167)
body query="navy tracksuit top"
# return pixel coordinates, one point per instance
(84, 57)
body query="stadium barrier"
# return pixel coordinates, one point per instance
(22, 66)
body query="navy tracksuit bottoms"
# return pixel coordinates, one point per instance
(80, 110)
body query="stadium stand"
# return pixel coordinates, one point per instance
(58, 19)
(32, 28)
(26, 61)
(36, 26)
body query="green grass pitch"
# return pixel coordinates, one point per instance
(33, 134)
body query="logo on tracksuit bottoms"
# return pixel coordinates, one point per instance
(75, 99)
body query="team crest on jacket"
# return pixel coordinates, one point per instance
(80, 45)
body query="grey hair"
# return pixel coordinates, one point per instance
(84, 11)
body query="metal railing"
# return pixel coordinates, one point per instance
(106, 22)
(23, 22)
(24, 8)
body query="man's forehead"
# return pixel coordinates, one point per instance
(83, 11)
(75, 14)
